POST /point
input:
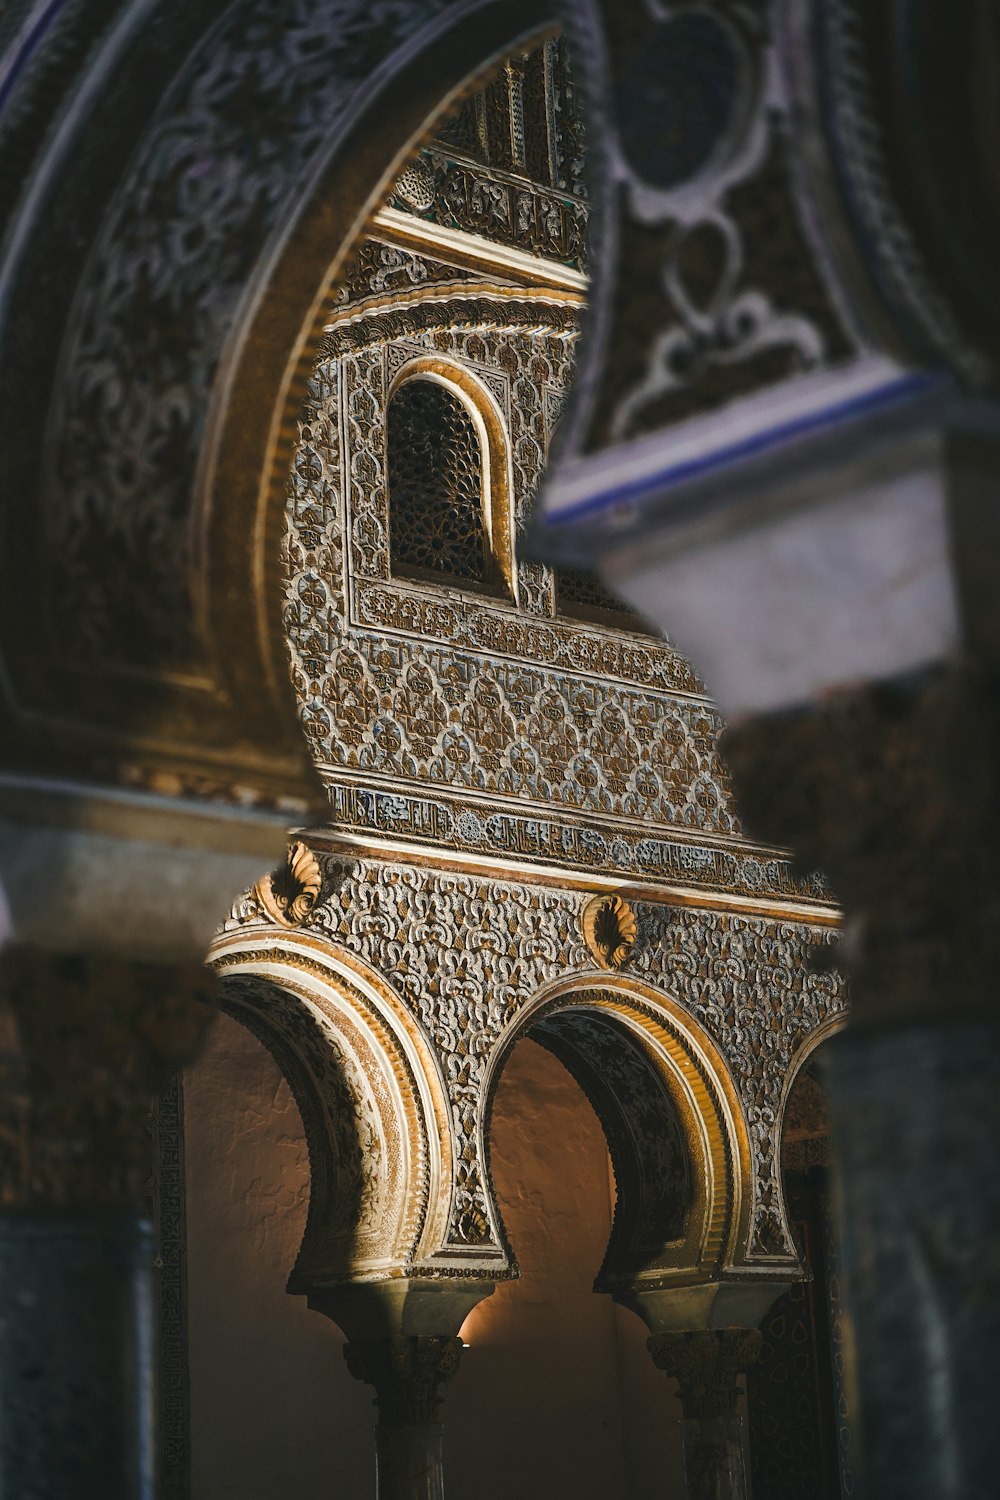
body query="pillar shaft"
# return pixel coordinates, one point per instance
(892, 790)
(707, 1365)
(85, 1042)
(713, 1458)
(409, 1460)
(75, 1357)
(916, 1116)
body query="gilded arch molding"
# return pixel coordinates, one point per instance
(371, 1098)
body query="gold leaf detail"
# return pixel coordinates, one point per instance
(289, 893)
(609, 929)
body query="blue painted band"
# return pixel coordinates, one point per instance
(666, 478)
(27, 47)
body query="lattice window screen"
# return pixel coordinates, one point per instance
(435, 473)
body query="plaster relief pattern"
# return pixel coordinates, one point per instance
(492, 699)
(467, 954)
(471, 722)
(207, 188)
(509, 164)
(503, 207)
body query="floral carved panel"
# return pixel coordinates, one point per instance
(467, 954)
(452, 709)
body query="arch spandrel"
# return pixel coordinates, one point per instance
(715, 1005)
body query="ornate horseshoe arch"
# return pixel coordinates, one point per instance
(816, 1039)
(371, 1099)
(679, 1145)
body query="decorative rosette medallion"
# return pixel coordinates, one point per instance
(609, 930)
(289, 893)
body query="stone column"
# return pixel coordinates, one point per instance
(85, 1044)
(707, 1365)
(402, 1338)
(893, 791)
(408, 1373)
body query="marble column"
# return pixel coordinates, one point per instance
(85, 1044)
(707, 1365)
(402, 1338)
(893, 790)
(409, 1374)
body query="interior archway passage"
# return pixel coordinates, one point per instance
(651, 1161)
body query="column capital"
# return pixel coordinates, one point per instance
(408, 1372)
(86, 1042)
(706, 1365)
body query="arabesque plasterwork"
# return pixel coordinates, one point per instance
(179, 244)
(481, 726)
(467, 954)
(478, 721)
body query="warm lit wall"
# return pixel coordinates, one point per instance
(557, 1398)
(274, 1413)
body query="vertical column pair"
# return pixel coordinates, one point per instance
(409, 1371)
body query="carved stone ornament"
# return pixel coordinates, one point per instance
(762, 1000)
(706, 1364)
(609, 930)
(289, 894)
(408, 1373)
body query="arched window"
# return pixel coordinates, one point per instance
(435, 462)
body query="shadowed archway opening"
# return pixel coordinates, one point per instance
(650, 1159)
(557, 1383)
(272, 1404)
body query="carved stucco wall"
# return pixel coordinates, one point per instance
(489, 725)
(467, 725)
(465, 955)
(489, 762)
(274, 1410)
